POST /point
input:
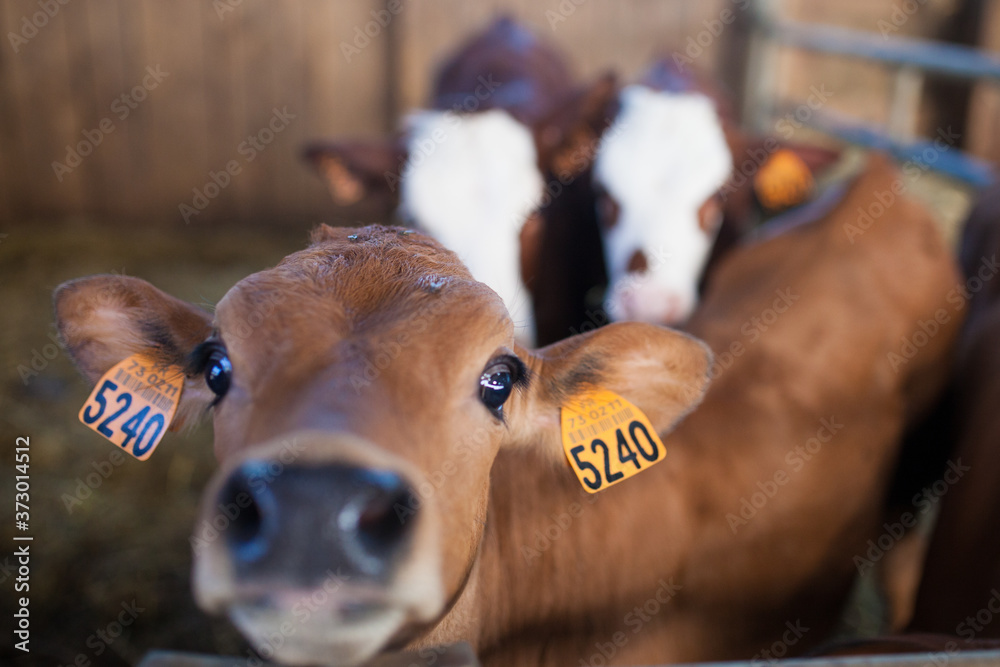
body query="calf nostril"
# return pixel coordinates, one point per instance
(637, 262)
(244, 504)
(378, 521)
(379, 524)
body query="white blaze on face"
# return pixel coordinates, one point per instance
(663, 157)
(471, 181)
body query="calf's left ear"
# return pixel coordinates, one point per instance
(661, 371)
(105, 319)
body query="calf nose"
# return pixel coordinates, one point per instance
(299, 524)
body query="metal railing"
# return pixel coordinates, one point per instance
(911, 59)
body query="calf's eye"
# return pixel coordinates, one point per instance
(218, 373)
(495, 385)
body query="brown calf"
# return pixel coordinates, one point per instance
(417, 505)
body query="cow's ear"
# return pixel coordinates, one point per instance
(360, 173)
(568, 138)
(661, 371)
(105, 319)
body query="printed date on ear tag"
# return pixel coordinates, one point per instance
(607, 439)
(134, 403)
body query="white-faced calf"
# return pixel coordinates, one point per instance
(470, 169)
(674, 189)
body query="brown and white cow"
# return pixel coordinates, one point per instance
(470, 169)
(498, 544)
(675, 179)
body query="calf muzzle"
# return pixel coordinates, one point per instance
(295, 527)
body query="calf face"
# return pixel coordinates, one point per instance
(344, 384)
(475, 167)
(657, 170)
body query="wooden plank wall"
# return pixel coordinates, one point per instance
(230, 63)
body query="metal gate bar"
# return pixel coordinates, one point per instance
(912, 60)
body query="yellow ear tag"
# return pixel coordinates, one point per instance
(134, 403)
(783, 181)
(607, 439)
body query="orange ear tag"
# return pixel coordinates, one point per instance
(134, 403)
(783, 181)
(607, 439)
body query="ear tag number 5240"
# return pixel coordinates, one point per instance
(607, 439)
(134, 403)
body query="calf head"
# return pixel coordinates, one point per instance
(469, 170)
(657, 173)
(341, 383)
(526, 76)
(476, 181)
(669, 172)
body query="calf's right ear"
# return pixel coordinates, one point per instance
(664, 373)
(105, 319)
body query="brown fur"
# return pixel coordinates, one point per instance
(794, 560)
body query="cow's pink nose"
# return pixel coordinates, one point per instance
(294, 525)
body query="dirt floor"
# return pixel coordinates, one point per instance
(126, 541)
